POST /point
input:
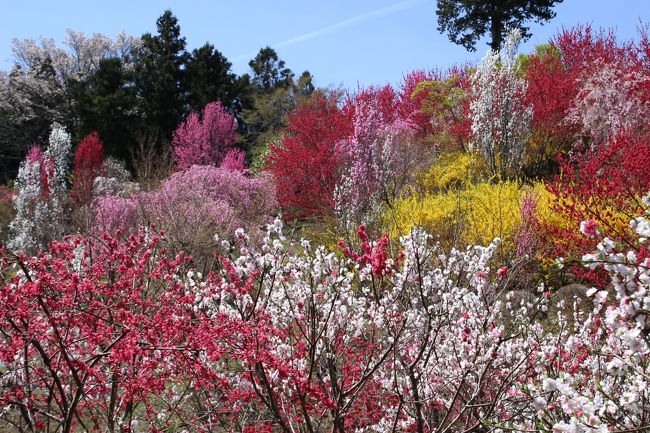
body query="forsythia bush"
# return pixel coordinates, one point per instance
(476, 214)
(451, 170)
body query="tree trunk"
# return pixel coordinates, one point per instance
(495, 31)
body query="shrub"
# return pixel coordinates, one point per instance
(475, 214)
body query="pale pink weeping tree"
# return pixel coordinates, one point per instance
(610, 101)
(379, 159)
(205, 139)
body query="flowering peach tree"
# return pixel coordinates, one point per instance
(292, 337)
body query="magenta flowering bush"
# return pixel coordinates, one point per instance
(204, 139)
(235, 159)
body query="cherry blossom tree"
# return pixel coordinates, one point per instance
(609, 102)
(292, 337)
(378, 159)
(235, 159)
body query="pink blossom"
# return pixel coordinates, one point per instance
(204, 140)
(234, 160)
(589, 228)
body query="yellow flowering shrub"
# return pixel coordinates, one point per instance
(473, 215)
(451, 170)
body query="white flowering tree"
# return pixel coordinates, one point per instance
(41, 185)
(500, 117)
(427, 342)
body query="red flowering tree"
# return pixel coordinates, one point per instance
(95, 334)
(584, 84)
(305, 161)
(205, 139)
(411, 103)
(551, 91)
(88, 160)
(602, 185)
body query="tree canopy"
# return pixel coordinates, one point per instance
(466, 21)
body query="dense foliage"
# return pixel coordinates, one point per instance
(467, 251)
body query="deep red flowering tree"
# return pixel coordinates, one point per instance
(88, 160)
(204, 139)
(609, 82)
(305, 161)
(603, 185)
(411, 103)
(551, 91)
(93, 334)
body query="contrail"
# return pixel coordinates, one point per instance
(388, 10)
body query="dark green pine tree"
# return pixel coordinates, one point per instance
(269, 72)
(208, 78)
(108, 105)
(159, 71)
(466, 21)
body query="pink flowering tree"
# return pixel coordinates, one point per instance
(382, 154)
(204, 139)
(235, 159)
(194, 205)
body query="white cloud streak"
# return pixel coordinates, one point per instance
(388, 10)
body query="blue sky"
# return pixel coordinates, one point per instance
(342, 43)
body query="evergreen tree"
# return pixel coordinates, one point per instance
(467, 21)
(159, 72)
(108, 106)
(208, 78)
(269, 71)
